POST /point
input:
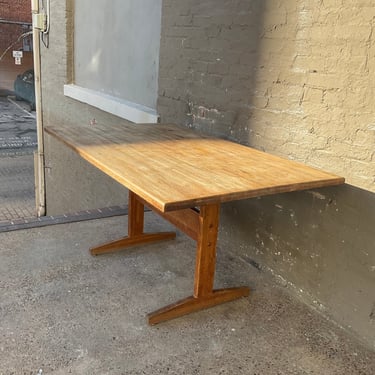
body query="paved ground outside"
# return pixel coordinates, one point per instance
(63, 311)
(18, 140)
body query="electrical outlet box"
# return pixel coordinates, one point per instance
(40, 21)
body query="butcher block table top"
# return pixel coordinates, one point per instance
(171, 167)
(184, 177)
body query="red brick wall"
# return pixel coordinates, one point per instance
(9, 33)
(15, 10)
(9, 70)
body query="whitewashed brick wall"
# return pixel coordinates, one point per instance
(292, 77)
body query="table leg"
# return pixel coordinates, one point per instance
(204, 295)
(135, 236)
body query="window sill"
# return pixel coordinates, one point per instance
(122, 108)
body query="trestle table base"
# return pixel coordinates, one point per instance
(201, 225)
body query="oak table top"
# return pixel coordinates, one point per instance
(184, 176)
(173, 168)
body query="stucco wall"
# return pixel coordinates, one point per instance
(293, 78)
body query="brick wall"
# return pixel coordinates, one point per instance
(235, 68)
(9, 33)
(9, 70)
(293, 78)
(16, 11)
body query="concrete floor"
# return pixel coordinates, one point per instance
(63, 311)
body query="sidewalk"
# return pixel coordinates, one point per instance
(18, 140)
(63, 311)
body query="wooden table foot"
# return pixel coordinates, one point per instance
(122, 243)
(191, 304)
(135, 236)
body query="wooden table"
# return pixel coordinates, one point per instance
(184, 176)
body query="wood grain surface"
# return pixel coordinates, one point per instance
(172, 168)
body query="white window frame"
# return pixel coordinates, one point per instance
(116, 105)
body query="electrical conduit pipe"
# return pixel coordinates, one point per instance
(39, 154)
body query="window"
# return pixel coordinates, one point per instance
(116, 56)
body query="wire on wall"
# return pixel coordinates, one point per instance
(45, 7)
(24, 35)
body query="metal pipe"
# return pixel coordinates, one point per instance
(15, 22)
(39, 154)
